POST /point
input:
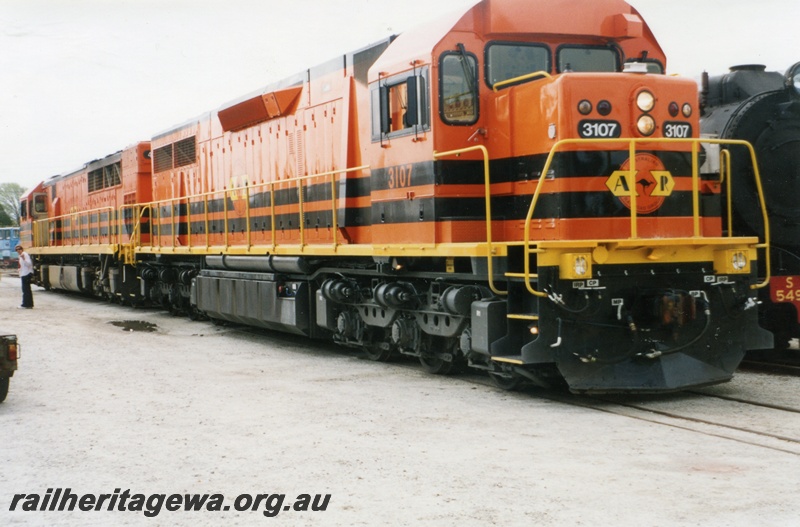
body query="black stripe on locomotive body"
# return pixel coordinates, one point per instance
(562, 205)
(263, 222)
(599, 163)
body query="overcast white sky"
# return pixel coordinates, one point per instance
(82, 79)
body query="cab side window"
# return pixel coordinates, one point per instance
(400, 105)
(458, 88)
(39, 203)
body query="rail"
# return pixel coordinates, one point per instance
(632, 143)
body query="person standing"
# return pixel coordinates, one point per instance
(26, 275)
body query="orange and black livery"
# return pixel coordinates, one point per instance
(514, 188)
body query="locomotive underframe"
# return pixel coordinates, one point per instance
(630, 328)
(639, 328)
(101, 275)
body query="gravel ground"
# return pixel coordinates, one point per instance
(193, 408)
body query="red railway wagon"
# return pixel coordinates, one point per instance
(513, 187)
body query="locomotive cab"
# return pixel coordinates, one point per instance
(33, 206)
(588, 184)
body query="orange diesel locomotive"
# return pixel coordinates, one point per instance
(513, 188)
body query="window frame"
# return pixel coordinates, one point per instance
(442, 58)
(379, 98)
(487, 62)
(610, 47)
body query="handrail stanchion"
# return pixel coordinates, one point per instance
(488, 206)
(695, 190)
(632, 189)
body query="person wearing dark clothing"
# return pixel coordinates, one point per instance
(26, 275)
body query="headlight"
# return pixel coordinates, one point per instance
(738, 260)
(645, 101)
(646, 125)
(575, 266)
(580, 266)
(732, 261)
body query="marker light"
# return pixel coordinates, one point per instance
(604, 107)
(584, 107)
(645, 101)
(687, 109)
(673, 109)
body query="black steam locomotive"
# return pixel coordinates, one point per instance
(763, 108)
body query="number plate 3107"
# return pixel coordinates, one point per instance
(592, 129)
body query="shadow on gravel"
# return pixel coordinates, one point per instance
(135, 325)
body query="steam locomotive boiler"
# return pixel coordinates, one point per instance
(512, 188)
(763, 108)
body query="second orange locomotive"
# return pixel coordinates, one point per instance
(513, 188)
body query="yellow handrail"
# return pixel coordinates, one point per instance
(248, 191)
(74, 217)
(488, 204)
(725, 169)
(521, 78)
(632, 143)
(136, 233)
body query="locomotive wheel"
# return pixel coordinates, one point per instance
(194, 314)
(436, 366)
(375, 352)
(4, 381)
(508, 383)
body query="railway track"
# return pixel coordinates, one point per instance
(758, 409)
(778, 367)
(765, 425)
(747, 418)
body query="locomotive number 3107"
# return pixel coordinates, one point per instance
(400, 176)
(595, 129)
